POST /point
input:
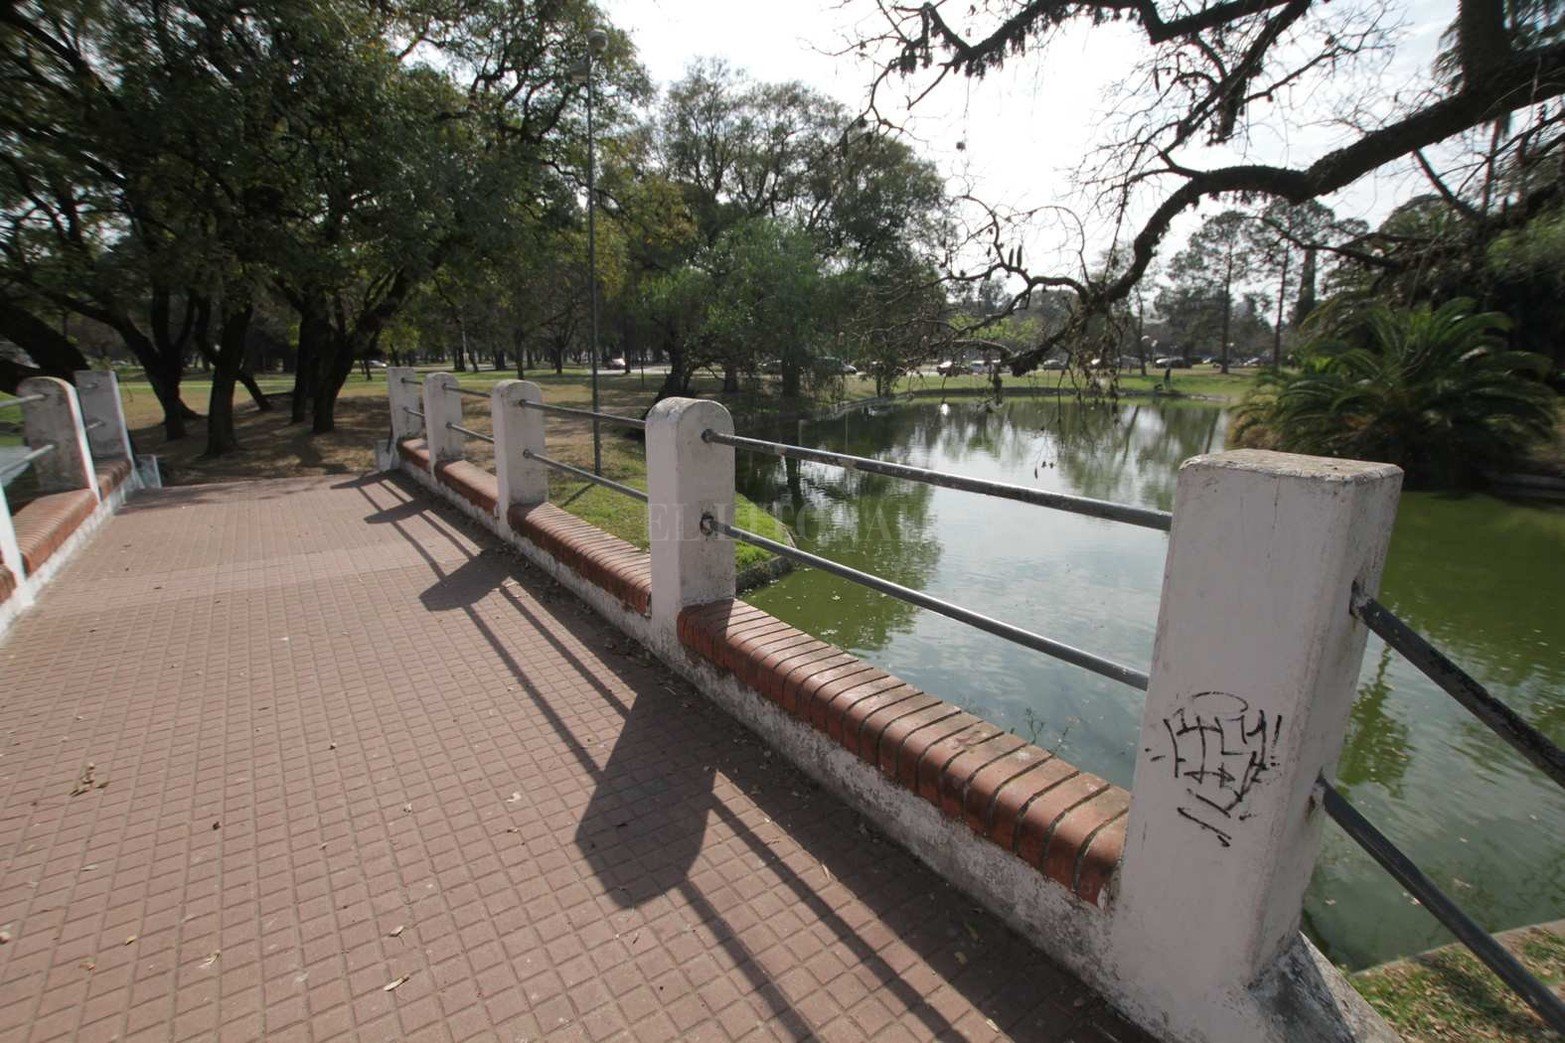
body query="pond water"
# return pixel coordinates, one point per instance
(1484, 579)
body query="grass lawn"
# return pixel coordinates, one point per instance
(1447, 996)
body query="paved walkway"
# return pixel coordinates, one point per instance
(305, 760)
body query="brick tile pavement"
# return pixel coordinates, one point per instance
(267, 749)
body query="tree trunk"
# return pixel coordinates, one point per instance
(731, 379)
(314, 331)
(1282, 296)
(247, 378)
(335, 368)
(1228, 308)
(1306, 301)
(226, 365)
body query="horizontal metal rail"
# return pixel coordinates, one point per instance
(1038, 643)
(22, 400)
(411, 380)
(469, 432)
(22, 463)
(1119, 512)
(1501, 719)
(416, 412)
(94, 425)
(586, 476)
(1483, 944)
(467, 391)
(613, 418)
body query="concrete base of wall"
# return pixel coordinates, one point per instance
(1302, 999)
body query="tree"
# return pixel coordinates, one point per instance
(1433, 390)
(1208, 267)
(1213, 75)
(1280, 232)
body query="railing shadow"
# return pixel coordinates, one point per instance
(655, 802)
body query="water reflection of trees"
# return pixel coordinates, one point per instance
(1129, 452)
(867, 521)
(1376, 748)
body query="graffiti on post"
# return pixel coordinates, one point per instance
(1220, 751)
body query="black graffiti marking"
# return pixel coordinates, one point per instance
(1222, 750)
(1222, 837)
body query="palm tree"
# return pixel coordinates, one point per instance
(1433, 390)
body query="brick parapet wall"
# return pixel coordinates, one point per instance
(1067, 823)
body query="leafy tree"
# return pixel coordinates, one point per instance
(1207, 269)
(1432, 390)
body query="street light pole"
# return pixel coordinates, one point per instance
(597, 42)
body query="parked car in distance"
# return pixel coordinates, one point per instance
(1172, 362)
(1254, 360)
(948, 368)
(827, 364)
(977, 366)
(1052, 364)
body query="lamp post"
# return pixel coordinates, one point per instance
(597, 43)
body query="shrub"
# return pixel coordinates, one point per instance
(1435, 391)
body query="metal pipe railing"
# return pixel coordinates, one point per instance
(613, 418)
(467, 391)
(22, 463)
(1483, 944)
(21, 400)
(1107, 510)
(416, 412)
(1037, 642)
(1461, 686)
(469, 432)
(93, 425)
(411, 380)
(585, 475)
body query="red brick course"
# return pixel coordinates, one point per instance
(1068, 824)
(471, 482)
(603, 560)
(111, 475)
(44, 524)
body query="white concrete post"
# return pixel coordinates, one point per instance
(57, 420)
(98, 391)
(402, 390)
(10, 551)
(1254, 670)
(686, 478)
(516, 430)
(442, 407)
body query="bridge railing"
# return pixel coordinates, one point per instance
(1254, 671)
(78, 450)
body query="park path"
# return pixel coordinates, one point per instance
(309, 759)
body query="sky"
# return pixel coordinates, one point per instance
(1015, 138)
